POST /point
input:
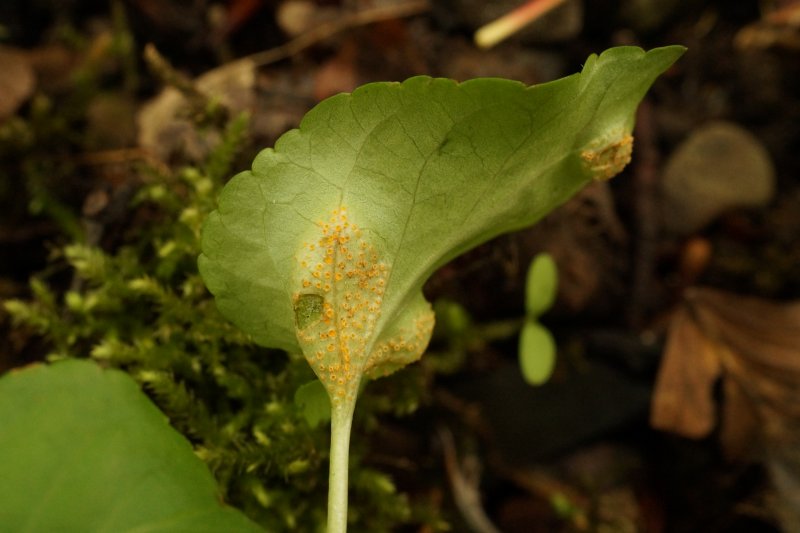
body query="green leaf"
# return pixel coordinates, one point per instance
(379, 188)
(541, 285)
(537, 353)
(313, 399)
(85, 451)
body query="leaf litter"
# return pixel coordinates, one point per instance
(752, 346)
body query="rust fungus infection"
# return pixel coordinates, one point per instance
(403, 347)
(606, 160)
(348, 280)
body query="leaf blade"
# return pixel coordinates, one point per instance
(427, 169)
(92, 453)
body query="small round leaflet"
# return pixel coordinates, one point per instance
(537, 353)
(308, 309)
(541, 285)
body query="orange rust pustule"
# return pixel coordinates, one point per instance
(341, 268)
(607, 160)
(402, 348)
(346, 271)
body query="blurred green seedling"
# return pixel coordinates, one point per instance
(537, 349)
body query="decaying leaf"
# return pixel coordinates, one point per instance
(777, 29)
(17, 80)
(754, 346)
(165, 128)
(684, 400)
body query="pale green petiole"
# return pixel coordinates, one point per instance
(341, 423)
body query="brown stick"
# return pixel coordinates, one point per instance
(331, 28)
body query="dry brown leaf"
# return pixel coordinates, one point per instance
(778, 29)
(17, 80)
(762, 351)
(764, 333)
(299, 16)
(164, 128)
(683, 401)
(755, 345)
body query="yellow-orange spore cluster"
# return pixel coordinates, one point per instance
(607, 159)
(347, 272)
(404, 347)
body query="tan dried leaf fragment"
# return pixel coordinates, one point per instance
(750, 343)
(684, 400)
(17, 80)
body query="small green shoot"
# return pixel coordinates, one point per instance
(541, 285)
(537, 349)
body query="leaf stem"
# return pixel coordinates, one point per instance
(341, 422)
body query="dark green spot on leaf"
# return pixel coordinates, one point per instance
(308, 309)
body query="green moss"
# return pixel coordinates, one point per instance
(142, 307)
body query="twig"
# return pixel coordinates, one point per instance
(544, 485)
(331, 28)
(510, 23)
(204, 109)
(122, 156)
(168, 75)
(464, 480)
